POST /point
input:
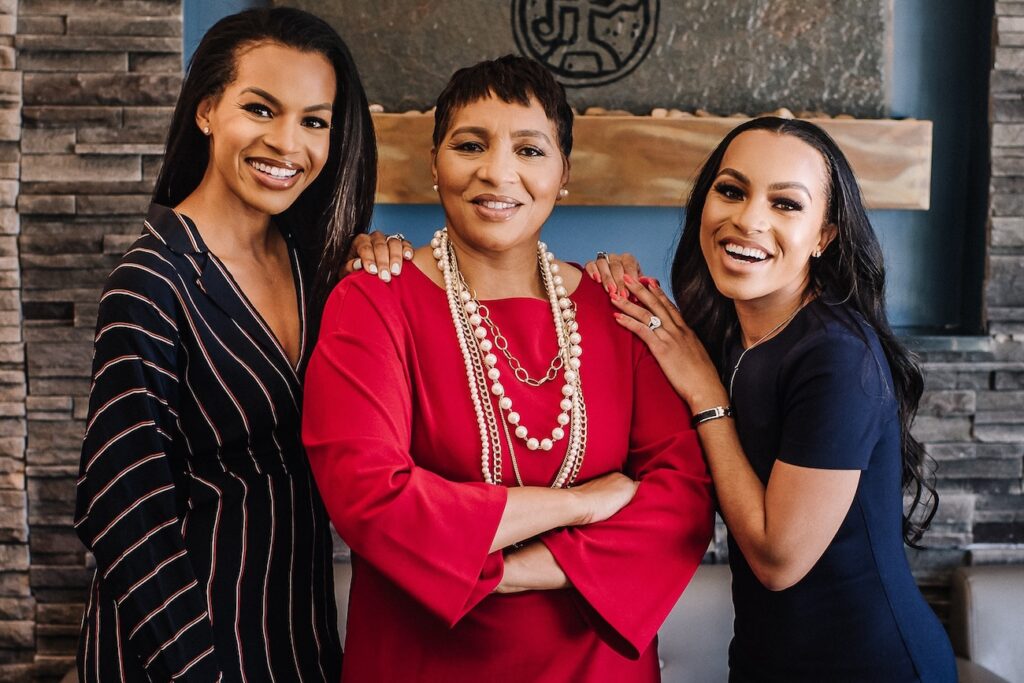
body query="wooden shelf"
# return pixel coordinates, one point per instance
(645, 161)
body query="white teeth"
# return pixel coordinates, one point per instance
(498, 205)
(749, 252)
(275, 171)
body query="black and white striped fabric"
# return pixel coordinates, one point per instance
(212, 546)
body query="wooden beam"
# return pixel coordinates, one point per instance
(645, 161)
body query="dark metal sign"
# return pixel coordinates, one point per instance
(586, 42)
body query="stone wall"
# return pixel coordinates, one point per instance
(97, 79)
(17, 605)
(86, 88)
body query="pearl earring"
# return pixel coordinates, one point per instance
(563, 193)
(816, 254)
(206, 130)
(435, 187)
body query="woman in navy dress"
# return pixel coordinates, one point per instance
(803, 400)
(213, 550)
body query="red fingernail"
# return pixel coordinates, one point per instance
(617, 315)
(611, 289)
(627, 279)
(646, 281)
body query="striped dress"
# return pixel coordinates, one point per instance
(213, 551)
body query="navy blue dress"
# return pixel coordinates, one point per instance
(820, 395)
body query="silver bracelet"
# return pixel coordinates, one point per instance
(710, 414)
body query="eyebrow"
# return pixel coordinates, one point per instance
(277, 103)
(483, 132)
(791, 185)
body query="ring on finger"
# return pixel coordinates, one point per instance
(395, 236)
(654, 323)
(602, 254)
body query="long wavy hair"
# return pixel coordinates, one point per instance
(849, 270)
(339, 203)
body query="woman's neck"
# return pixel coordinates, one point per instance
(229, 226)
(503, 274)
(761, 319)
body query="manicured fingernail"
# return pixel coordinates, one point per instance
(611, 289)
(357, 264)
(617, 315)
(385, 275)
(372, 269)
(408, 254)
(649, 282)
(396, 268)
(627, 279)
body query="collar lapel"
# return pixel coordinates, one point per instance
(181, 236)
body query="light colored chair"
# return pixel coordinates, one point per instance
(693, 643)
(986, 623)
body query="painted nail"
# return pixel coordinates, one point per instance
(372, 269)
(357, 264)
(385, 275)
(408, 254)
(396, 268)
(649, 282)
(627, 279)
(611, 289)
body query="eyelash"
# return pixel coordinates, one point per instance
(474, 147)
(263, 111)
(734, 193)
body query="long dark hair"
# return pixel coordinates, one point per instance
(849, 270)
(339, 203)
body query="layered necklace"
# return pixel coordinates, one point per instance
(475, 330)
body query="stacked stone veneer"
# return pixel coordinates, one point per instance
(86, 88)
(94, 84)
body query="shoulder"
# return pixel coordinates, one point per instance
(147, 279)
(148, 265)
(838, 346)
(361, 298)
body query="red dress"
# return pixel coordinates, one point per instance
(394, 445)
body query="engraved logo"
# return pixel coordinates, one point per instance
(586, 42)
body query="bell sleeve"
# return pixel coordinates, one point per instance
(630, 570)
(429, 535)
(126, 506)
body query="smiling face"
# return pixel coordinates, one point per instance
(498, 169)
(764, 217)
(270, 128)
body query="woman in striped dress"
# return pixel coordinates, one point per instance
(213, 551)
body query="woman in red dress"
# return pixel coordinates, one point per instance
(518, 510)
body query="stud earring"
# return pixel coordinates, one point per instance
(563, 193)
(435, 187)
(206, 130)
(816, 254)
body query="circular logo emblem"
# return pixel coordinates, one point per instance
(586, 42)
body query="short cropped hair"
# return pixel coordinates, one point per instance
(511, 79)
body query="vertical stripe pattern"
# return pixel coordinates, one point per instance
(212, 547)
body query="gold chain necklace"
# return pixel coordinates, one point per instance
(766, 337)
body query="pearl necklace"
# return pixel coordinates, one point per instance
(472, 321)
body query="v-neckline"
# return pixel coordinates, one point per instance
(296, 272)
(198, 245)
